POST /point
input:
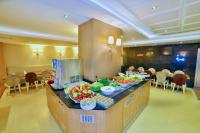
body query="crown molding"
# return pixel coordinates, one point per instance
(20, 32)
(187, 36)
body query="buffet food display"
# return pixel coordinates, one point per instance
(101, 92)
(83, 106)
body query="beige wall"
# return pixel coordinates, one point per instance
(21, 57)
(97, 57)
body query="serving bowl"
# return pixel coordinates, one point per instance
(88, 103)
(107, 90)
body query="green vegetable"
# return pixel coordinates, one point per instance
(89, 92)
(115, 85)
(67, 90)
(85, 91)
(105, 82)
(75, 94)
(96, 87)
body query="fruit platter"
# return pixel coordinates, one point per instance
(80, 92)
(129, 80)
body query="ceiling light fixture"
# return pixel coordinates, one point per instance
(66, 16)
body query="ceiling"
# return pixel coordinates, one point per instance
(59, 19)
(170, 16)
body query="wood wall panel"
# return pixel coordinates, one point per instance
(2, 64)
(197, 75)
(160, 61)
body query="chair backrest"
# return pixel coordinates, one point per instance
(160, 77)
(179, 79)
(178, 72)
(148, 72)
(31, 77)
(166, 72)
(10, 82)
(46, 75)
(152, 70)
(141, 69)
(13, 81)
(131, 68)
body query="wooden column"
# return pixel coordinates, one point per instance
(98, 59)
(2, 64)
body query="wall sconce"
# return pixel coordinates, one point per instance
(37, 49)
(60, 50)
(75, 52)
(111, 40)
(183, 53)
(149, 53)
(118, 42)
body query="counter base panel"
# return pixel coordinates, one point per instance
(116, 119)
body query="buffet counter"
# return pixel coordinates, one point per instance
(116, 119)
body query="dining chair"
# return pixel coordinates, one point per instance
(12, 83)
(31, 80)
(131, 68)
(152, 70)
(141, 69)
(152, 76)
(178, 72)
(166, 72)
(179, 81)
(46, 76)
(161, 80)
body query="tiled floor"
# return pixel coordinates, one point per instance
(29, 114)
(167, 112)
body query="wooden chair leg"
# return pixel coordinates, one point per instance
(184, 88)
(156, 85)
(19, 88)
(36, 84)
(43, 83)
(167, 84)
(15, 89)
(173, 86)
(27, 87)
(164, 85)
(8, 87)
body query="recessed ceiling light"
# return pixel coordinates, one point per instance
(66, 16)
(154, 8)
